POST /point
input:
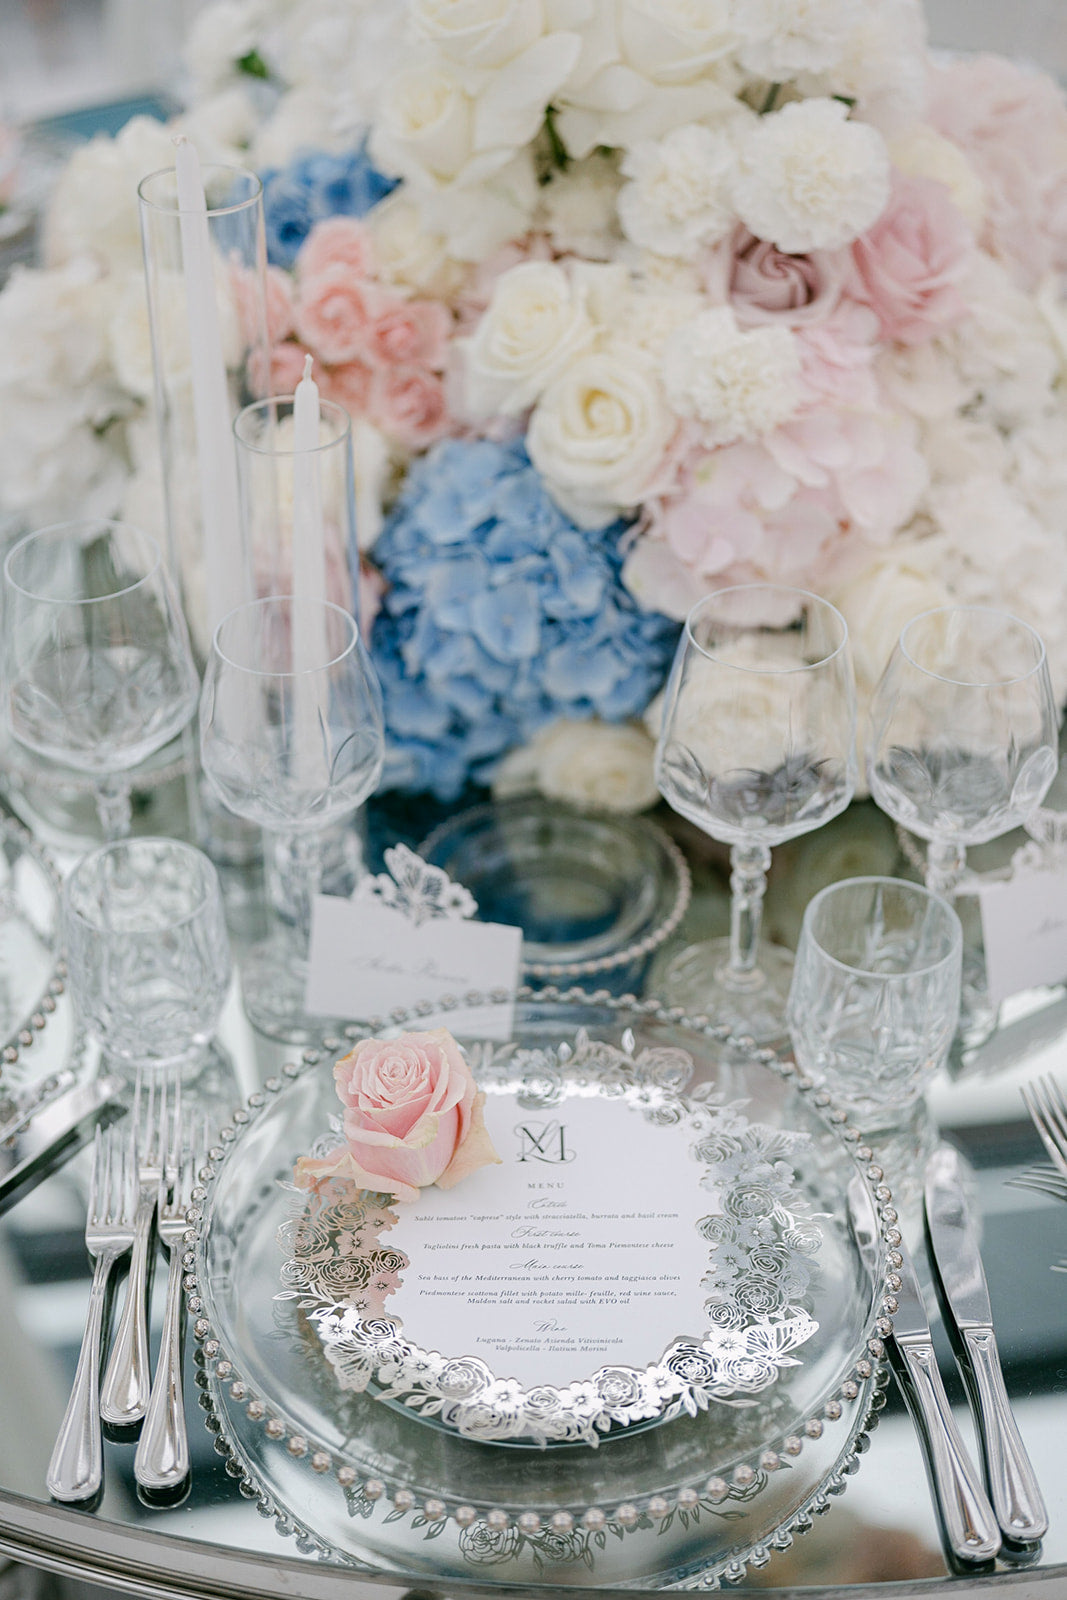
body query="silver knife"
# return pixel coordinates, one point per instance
(1009, 1476)
(968, 1523)
(37, 1144)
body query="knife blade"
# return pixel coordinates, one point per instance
(968, 1524)
(40, 1143)
(964, 1295)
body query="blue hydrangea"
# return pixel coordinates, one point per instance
(500, 616)
(312, 187)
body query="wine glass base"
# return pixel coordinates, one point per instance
(698, 978)
(273, 980)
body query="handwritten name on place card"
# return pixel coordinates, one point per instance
(1024, 929)
(367, 960)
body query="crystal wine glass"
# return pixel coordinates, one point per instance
(757, 745)
(962, 748)
(962, 744)
(97, 668)
(291, 738)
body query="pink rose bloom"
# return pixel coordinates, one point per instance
(762, 284)
(349, 385)
(278, 295)
(908, 266)
(337, 242)
(1011, 124)
(412, 1117)
(285, 370)
(410, 333)
(335, 313)
(409, 404)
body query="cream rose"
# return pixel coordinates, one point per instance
(535, 324)
(405, 253)
(596, 765)
(598, 433)
(482, 33)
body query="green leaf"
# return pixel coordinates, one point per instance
(253, 65)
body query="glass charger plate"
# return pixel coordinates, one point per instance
(676, 1503)
(32, 973)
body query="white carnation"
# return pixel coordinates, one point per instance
(739, 383)
(782, 38)
(577, 209)
(884, 68)
(535, 324)
(678, 198)
(811, 179)
(599, 432)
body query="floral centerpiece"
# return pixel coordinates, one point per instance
(629, 300)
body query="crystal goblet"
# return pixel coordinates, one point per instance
(97, 669)
(756, 746)
(291, 738)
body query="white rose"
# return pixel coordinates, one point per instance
(405, 252)
(648, 66)
(880, 600)
(302, 120)
(221, 35)
(482, 33)
(600, 765)
(739, 383)
(678, 198)
(577, 209)
(922, 152)
(782, 38)
(477, 214)
(426, 123)
(598, 433)
(221, 127)
(534, 325)
(811, 179)
(93, 210)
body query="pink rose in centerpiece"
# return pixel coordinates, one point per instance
(334, 313)
(349, 385)
(907, 268)
(412, 1117)
(337, 241)
(409, 404)
(410, 333)
(763, 284)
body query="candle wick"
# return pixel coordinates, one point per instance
(307, 368)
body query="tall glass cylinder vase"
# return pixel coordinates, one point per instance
(205, 273)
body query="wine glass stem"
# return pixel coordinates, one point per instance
(945, 861)
(113, 808)
(749, 865)
(300, 877)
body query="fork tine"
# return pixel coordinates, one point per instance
(1033, 1099)
(1057, 1111)
(95, 1184)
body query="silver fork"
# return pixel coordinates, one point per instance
(127, 1381)
(1042, 1180)
(1048, 1111)
(76, 1470)
(161, 1465)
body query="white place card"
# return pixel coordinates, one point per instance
(1024, 929)
(366, 959)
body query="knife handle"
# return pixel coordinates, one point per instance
(1012, 1485)
(967, 1519)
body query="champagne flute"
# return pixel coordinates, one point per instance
(97, 668)
(291, 738)
(757, 745)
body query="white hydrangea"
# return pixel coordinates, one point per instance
(810, 178)
(739, 383)
(678, 198)
(782, 38)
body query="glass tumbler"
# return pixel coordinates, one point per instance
(147, 949)
(875, 995)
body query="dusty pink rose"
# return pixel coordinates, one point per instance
(335, 312)
(285, 370)
(410, 333)
(908, 266)
(338, 241)
(409, 404)
(1011, 124)
(412, 1117)
(349, 385)
(763, 284)
(278, 295)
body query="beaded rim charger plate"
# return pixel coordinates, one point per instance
(31, 961)
(715, 1479)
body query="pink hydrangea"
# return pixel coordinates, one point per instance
(1011, 124)
(908, 266)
